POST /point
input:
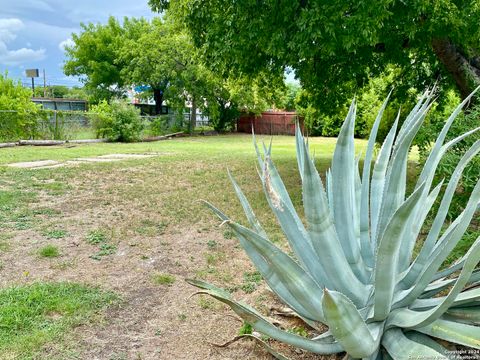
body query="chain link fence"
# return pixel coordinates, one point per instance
(78, 125)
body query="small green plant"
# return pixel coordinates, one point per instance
(49, 251)
(299, 330)
(245, 329)
(182, 317)
(163, 279)
(212, 244)
(55, 234)
(105, 249)
(96, 237)
(353, 265)
(251, 281)
(228, 234)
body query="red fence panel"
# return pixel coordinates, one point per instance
(269, 123)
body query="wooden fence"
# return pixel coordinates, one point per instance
(270, 123)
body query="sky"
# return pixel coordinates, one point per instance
(33, 32)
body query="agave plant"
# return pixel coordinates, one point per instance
(354, 267)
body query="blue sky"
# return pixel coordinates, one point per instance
(32, 32)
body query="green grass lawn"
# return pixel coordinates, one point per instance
(33, 315)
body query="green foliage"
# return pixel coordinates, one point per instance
(464, 123)
(334, 48)
(56, 234)
(352, 264)
(18, 115)
(96, 237)
(49, 251)
(118, 121)
(246, 329)
(33, 315)
(104, 249)
(163, 279)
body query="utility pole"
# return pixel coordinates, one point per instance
(44, 84)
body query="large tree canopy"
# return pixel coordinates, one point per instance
(335, 47)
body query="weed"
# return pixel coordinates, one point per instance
(4, 246)
(56, 234)
(245, 329)
(253, 276)
(205, 302)
(105, 249)
(228, 234)
(299, 330)
(49, 251)
(214, 259)
(251, 280)
(151, 228)
(96, 237)
(182, 317)
(46, 211)
(163, 279)
(212, 244)
(248, 287)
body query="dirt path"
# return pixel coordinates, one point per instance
(49, 164)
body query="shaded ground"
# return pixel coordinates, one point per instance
(148, 212)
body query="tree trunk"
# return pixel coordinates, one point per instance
(158, 98)
(193, 117)
(464, 71)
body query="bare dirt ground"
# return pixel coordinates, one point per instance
(151, 215)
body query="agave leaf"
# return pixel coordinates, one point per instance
(357, 192)
(257, 152)
(387, 256)
(252, 219)
(414, 226)
(424, 100)
(267, 347)
(299, 145)
(434, 288)
(467, 315)
(329, 180)
(324, 236)
(292, 226)
(432, 160)
(463, 334)
(427, 341)
(262, 325)
(274, 281)
(396, 177)
(365, 244)
(301, 285)
(347, 326)
(343, 194)
(446, 244)
(406, 318)
(400, 347)
(439, 220)
(465, 298)
(450, 270)
(378, 180)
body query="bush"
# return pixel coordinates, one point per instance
(118, 121)
(17, 111)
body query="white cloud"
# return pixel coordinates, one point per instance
(66, 43)
(8, 30)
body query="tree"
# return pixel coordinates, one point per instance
(93, 56)
(335, 47)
